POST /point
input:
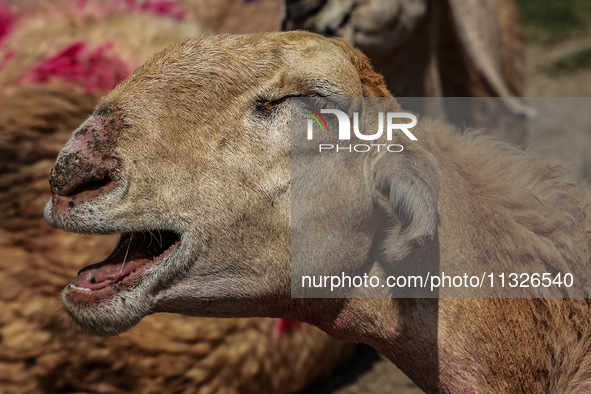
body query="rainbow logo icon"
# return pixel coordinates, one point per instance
(316, 115)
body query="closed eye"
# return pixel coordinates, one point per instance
(267, 106)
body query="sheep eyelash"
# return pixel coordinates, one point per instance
(267, 107)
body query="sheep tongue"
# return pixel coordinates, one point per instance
(100, 275)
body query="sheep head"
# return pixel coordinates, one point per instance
(189, 159)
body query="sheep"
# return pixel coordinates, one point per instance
(434, 48)
(223, 178)
(236, 16)
(40, 349)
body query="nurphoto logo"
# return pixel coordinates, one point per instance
(344, 130)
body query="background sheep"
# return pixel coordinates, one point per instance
(57, 60)
(433, 48)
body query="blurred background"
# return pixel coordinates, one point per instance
(558, 64)
(58, 57)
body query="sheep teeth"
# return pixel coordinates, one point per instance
(79, 288)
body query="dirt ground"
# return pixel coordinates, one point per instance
(370, 372)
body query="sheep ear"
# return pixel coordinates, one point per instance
(408, 188)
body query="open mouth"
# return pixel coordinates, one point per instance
(135, 253)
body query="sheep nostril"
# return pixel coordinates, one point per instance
(94, 184)
(81, 185)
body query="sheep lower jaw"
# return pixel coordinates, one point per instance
(133, 258)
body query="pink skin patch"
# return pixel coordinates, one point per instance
(7, 21)
(93, 69)
(285, 326)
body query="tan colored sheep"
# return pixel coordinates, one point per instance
(223, 178)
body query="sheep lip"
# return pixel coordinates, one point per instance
(132, 259)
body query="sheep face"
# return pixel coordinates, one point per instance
(188, 159)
